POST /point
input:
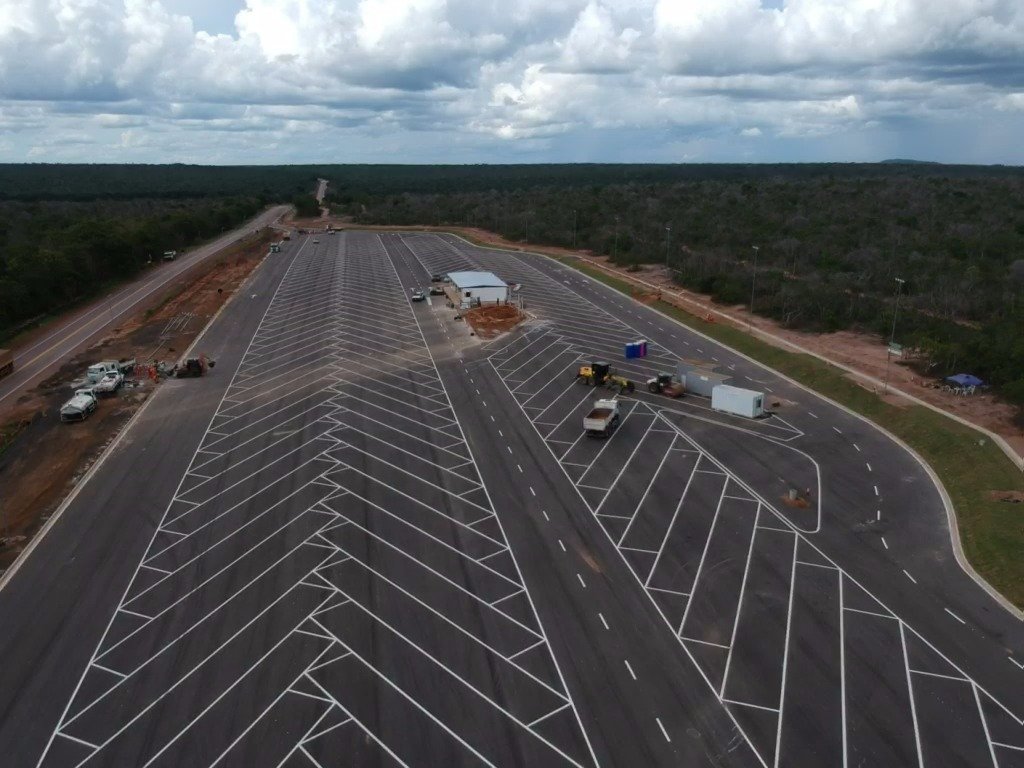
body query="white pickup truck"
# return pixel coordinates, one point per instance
(109, 384)
(78, 407)
(602, 419)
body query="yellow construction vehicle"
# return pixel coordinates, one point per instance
(600, 374)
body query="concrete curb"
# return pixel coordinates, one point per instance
(954, 530)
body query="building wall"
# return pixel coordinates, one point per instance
(486, 295)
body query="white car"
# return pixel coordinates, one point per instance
(418, 296)
(109, 384)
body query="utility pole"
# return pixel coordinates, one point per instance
(753, 279)
(574, 229)
(668, 242)
(892, 334)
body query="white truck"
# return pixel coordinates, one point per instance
(97, 371)
(170, 255)
(109, 384)
(78, 407)
(602, 419)
(739, 402)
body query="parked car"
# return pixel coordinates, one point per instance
(170, 255)
(435, 278)
(418, 296)
(436, 290)
(109, 384)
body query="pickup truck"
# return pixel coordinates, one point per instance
(97, 371)
(109, 384)
(602, 419)
(78, 407)
(170, 255)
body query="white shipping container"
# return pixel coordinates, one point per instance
(741, 402)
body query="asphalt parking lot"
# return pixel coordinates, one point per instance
(378, 538)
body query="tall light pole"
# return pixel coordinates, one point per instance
(892, 334)
(574, 229)
(753, 279)
(668, 242)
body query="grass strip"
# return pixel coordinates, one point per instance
(969, 465)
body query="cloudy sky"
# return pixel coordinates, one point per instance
(468, 81)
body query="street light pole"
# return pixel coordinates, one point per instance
(892, 334)
(753, 279)
(668, 241)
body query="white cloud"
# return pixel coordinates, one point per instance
(479, 74)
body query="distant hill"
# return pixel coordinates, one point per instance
(902, 161)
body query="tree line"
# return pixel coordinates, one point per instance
(819, 248)
(54, 254)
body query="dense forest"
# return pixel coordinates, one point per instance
(53, 254)
(830, 242)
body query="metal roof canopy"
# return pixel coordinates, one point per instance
(464, 280)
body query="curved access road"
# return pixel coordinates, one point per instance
(45, 355)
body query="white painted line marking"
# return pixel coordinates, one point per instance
(518, 466)
(907, 574)
(868, 465)
(857, 447)
(601, 617)
(500, 433)
(954, 616)
(812, 415)
(837, 429)
(543, 512)
(509, 449)
(629, 669)
(492, 418)
(878, 514)
(876, 490)
(562, 545)
(1015, 662)
(663, 731)
(581, 581)
(883, 543)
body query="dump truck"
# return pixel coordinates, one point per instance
(600, 374)
(737, 401)
(666, 384)
(192, 367)
(602, 418)
(6, 362)
(78, 407)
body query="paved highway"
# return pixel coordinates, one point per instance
(44, 356)
(369, 536)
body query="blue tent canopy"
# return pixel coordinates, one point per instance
(965, 380)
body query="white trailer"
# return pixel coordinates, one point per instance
(737, 401)
(602, 419)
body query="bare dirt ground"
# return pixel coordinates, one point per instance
(44, 458)
(493, 320)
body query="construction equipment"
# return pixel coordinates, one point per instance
(6, 362)
(602, 419)
(192, 367)
(78, 407)
(600, 374)
(666, 384)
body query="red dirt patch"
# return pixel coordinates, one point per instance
(493, 319)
